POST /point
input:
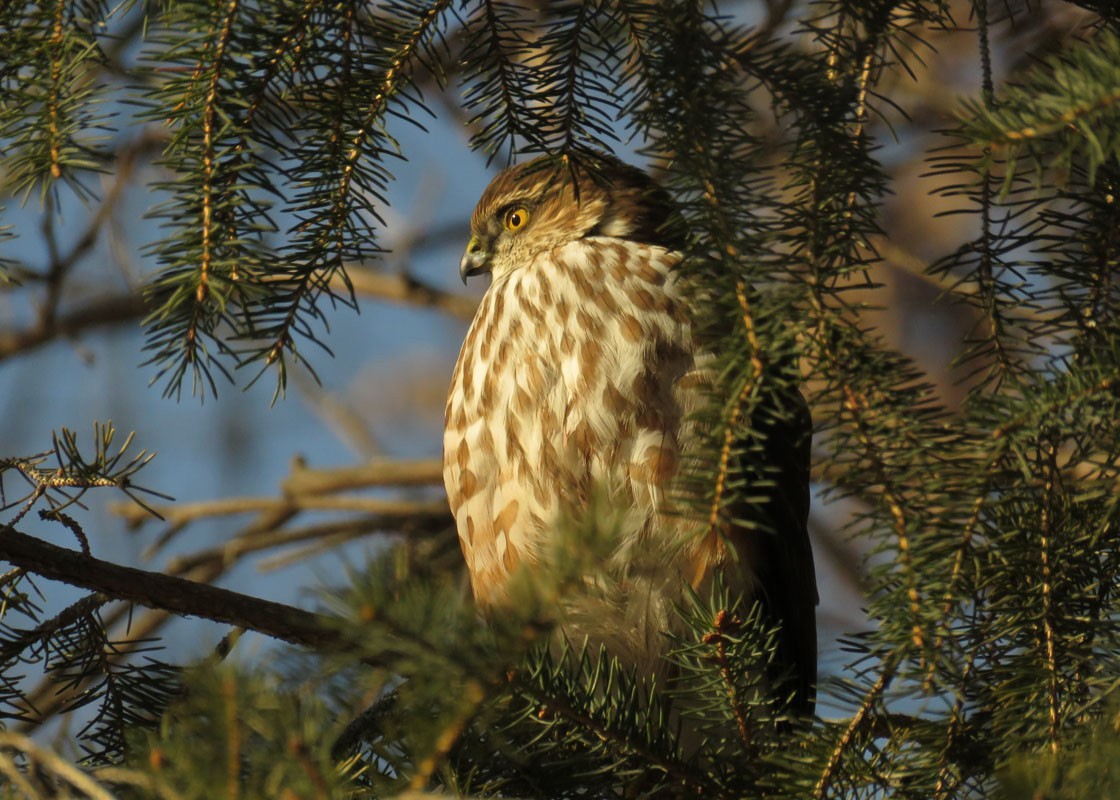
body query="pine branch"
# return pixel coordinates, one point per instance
(554, 703)
(265, 532)
(179, 596)
(1062, 111)
(849, 740)
(498, 76)
(51, 122)
(13, 647)
(75, 474)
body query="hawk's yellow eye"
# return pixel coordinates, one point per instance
(517, 219)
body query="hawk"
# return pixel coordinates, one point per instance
(578, 379)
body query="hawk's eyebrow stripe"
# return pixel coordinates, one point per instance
(501, 211)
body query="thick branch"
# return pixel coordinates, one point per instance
(46, 696)
(400, 288)
(177, 595)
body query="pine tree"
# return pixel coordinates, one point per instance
(987, 664)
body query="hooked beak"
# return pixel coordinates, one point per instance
(475, 261)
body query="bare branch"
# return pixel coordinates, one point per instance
(400, 288)
(425, 472)
(325, 534)
(177, 595)
(388, 510)
(113, 310)
(405, 289)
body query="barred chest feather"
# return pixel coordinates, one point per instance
(577, 375)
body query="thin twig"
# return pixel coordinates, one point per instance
(723, 624)
(304, 480)
(1046, 522)
(189, 512)
(333, 532)
(401, 287)
(859, 721)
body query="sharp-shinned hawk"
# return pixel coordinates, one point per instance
(579, 378)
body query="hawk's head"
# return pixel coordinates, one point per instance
(553, 200)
